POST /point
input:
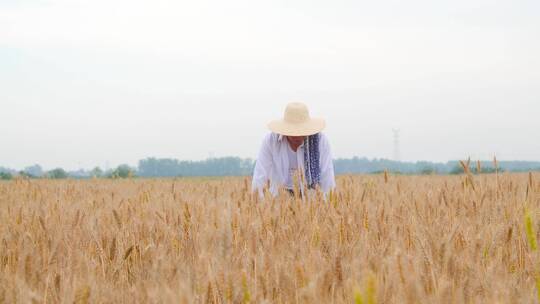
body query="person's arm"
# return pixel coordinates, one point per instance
(326, 164)
(263, 166)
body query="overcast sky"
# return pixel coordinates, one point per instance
(103, 82)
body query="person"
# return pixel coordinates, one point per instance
(295, 152)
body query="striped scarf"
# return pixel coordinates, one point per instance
(311, 160)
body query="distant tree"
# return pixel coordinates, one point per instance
(485, 170)
(224, 166)
(457, 169)
(33, 171)
(428, 171)
(96, 172)
(57, 173)
(153, 167)
(122, 171)
(25, 174)
(5, 176)
(7, 170)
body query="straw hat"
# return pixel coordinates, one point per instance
(297, 122)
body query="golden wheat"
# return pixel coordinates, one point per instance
(376, 239)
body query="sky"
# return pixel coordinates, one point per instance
(87, 83)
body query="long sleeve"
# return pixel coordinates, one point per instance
(327, 166)
(263, 166)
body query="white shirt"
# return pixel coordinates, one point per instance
(273, 164)
(293, 167)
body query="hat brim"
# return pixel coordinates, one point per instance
(313, 126)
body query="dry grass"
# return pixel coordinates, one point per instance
(384, 239)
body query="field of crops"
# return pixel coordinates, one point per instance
(378, 239)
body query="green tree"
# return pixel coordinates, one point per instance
(457, 170)
(96, 172)
(122, 171)
(428, 171)
(57, 173)
(5, 176)
(25, 174)
(33, 171)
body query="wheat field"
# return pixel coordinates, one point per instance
(377, 239)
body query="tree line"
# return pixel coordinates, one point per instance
(236, 166)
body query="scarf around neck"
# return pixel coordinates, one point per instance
(311, 160)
